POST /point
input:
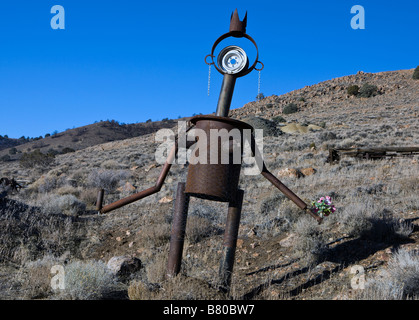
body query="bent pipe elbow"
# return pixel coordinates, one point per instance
(288, 193)
(145, 193)
(132, 198)
(140, 195)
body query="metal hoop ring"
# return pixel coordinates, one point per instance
(234, 34)
(209, 63)
(263, 66)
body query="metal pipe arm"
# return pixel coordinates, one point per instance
(281, 187)
(147, 192)
(289, 194)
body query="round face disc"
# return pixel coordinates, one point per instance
(232, 59)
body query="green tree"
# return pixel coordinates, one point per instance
(368, 90)
(5, 158)
(416, 73)
(36, 159)
(67, 150)
(260, 96)
(290, 108)
(353, 90)
(279, 119)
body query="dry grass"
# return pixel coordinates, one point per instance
(400, 281)
(177, 288)
(88, 280)
(34, 279)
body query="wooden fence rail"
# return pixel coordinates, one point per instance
(370, 153)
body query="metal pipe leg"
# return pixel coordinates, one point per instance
(99, 201)
(230, 240)
(177, 235)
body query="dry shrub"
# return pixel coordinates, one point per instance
(402, 228)
(198, 228)
(156, 269)
(404, 269)
(156, 234)
(311, 241)
(80, 175)
(279, 215)
(67, 189)
(35, 278)
(107, 179)
(44, 184)
(368, 90)
(139, 290)
(187, 288)
(90, 280)
(180, 287)
(367, 220)
(36, 159)
(269, 205)
(67, 204)
(26, 233)
(89, 196)
(110, 164)
(411, 202)
(354, 219)
(399, 281)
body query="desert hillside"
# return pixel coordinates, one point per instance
(282, 253)
(79, 138)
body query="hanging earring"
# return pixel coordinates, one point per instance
(259, 73)
(209, 79)
(209, 71)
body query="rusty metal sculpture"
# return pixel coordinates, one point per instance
(208, 180)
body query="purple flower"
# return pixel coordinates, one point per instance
(323, 206)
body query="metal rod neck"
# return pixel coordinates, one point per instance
(226, 94)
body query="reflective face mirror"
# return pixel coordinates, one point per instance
(232, 60)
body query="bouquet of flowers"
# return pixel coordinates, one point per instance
(323, 207)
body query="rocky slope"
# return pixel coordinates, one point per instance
(394, 88)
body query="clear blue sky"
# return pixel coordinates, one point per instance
(136, 60)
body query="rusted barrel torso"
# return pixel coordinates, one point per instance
(222, 139)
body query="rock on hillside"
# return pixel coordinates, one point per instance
(269, 127)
